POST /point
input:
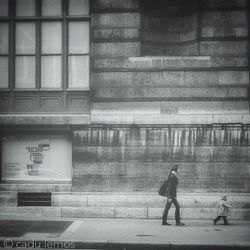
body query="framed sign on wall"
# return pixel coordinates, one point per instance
(36, 157)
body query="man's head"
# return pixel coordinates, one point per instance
(175, 168)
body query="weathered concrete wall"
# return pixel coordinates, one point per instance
(124, 159)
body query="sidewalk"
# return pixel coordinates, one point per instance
(98, 233)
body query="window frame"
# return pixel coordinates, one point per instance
(70, 54)
(64, 19)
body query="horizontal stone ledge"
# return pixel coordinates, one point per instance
(21, 211)
(107, 118)
(88, 212)
(172, 107)
(126, 107)
(36, 187)
(115, 49)
(133, 181)
(173, 78)
(214, 48)
(135, 156)
(69, 200)
(172, 23)
(170, 49)
(111, 34)
(112, 20)
(142, 180)
(120, 212)
(219, 32)
(152, 185)
(224, 18)
(172, 93)
(151, 63)
(170, 37)
(159, 136)
(169, 119)
(120, 199)
(43, 119)
(114, 4)
(229, 61)
(224, 4)
(8, 198)
(34, 211)
(52, 211)
(150, 200)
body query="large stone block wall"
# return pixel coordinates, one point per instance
(194, 27)
(153, 53)
(126, 159)
(169, 27)
(115, 28)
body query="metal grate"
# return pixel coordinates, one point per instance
(33, 199)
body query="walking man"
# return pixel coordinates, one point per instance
(173, 179)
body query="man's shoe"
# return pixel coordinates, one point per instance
(166, 224)
(180, 224)
(214, 221)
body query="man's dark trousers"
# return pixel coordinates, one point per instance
(177, 209)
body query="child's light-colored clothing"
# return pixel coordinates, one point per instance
(224, 208)
(223, 211)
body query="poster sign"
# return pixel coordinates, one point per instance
(34, 157)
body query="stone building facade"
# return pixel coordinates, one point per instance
(100, 98)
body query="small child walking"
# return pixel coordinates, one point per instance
(223, 210)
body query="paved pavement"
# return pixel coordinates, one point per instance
(120, 234)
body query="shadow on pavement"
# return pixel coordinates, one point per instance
(10, 228)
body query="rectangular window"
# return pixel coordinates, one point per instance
(78, 37)
(25, 72)
(51, 49)
(51, 38)
(4, 68)
(4, 50)
(25, 60)
(78, 7)
(44, 44)
(25, 8)
(4, 8)
(51, 7)
(36, 157)
(78, 71)
(51, 75)
(4, 38)
(78, 58)
(25, 38)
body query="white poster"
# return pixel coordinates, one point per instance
(36, 157)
